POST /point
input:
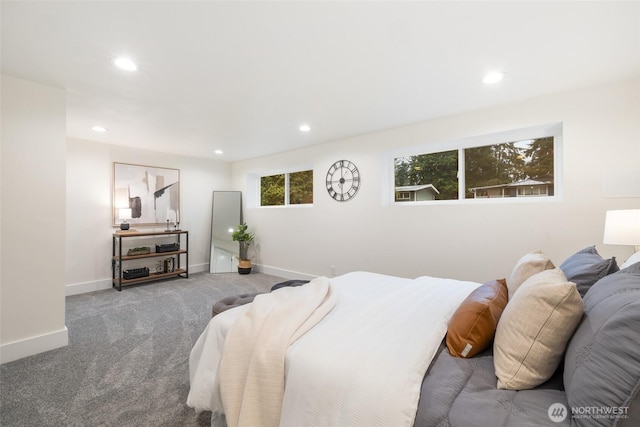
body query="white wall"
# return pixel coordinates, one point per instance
(476, 242)
(89, 194)
(33, 219)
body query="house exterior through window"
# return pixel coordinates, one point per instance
(413, 193)
(525, 188)
(515, 168)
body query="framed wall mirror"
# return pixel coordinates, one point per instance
(225, 217)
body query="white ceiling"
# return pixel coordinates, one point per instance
(242, 76)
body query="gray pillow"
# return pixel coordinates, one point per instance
(586, 267)
(602, 362)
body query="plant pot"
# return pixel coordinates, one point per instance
(244, 266)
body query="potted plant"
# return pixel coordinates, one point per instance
(245, 239)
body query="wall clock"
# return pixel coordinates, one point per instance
(343, 180)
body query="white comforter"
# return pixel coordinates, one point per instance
(361, 365)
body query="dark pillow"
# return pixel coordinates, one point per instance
(602, 362)
(586, 267)
(289, 283)
(231, 302)
(473, 325)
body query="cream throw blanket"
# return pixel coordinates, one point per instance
(252, 366)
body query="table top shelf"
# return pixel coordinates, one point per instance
(136, 233)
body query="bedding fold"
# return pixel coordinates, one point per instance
(252, 365)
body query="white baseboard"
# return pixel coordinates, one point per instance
(280, 272)
(83, 288)
(102, 284)
(34, 345)
(199, 268)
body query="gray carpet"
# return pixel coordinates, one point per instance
(127, 360)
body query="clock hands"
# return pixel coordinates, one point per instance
(340, 182)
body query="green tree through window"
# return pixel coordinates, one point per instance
(293, 188)
(272, 190)
(540, 159)
(301, 187)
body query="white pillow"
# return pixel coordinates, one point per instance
(526, 267)
(631, 260)
(534, 330)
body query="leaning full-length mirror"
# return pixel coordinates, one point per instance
(226, 215)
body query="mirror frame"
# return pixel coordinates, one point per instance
(226, 214)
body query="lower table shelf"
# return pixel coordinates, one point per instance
(152, 276)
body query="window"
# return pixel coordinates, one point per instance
(292, 188)
(272, 190)
(504, 165)
(301, 188)
(440, 170)
(512, 169)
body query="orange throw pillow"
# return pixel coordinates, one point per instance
(473, 325)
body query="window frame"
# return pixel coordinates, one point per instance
(554, 130)
(256, 177)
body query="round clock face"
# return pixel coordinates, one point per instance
(343, 180)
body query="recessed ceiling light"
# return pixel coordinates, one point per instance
(305, 128)
(125, 64)
(218, 151)
(493, 77)
(98, 129)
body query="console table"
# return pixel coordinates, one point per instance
(172, 265)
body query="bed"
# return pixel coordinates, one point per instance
(366, 349)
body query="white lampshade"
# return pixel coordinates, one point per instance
(622, 227)
(124, 213)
